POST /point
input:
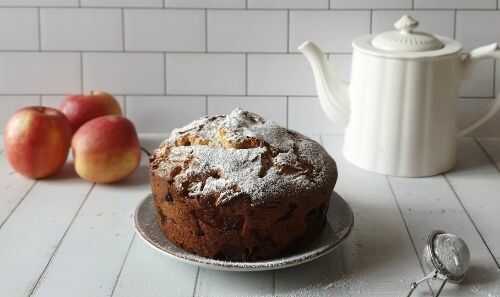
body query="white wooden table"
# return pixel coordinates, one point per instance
(64, 236)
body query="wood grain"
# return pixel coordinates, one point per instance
(14, 189)
(429, 204)
(147, 273)
(97, 243)
(33, 232)
(476, 181)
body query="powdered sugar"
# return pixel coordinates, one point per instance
(244, 155)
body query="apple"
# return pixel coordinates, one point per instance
(106, 149)
(82, 108)
(37, 140)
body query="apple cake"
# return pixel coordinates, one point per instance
(237, 187)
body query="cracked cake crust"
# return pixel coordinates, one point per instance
(238, 187)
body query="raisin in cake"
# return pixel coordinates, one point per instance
(237, 187)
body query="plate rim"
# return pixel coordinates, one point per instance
(262, 265)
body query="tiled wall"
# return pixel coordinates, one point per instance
(169, 61)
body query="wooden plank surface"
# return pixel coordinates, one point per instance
(476, 181)
(96, 253)
(97, 243)
(14, 188)
(430, 204)
(147, 273)
(228, 284)
(33, 232)
(377, 260)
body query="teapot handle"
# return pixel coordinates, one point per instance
(483, 52)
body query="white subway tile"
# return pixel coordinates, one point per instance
(18, 29)
(164, 30)
(56, 100)
(276, 4)
(205, 74)
(124, 73)
(306, 116)
(471, 110)
(122, 3)
(42, 3)
(39, 73)
(272, 74)
(440, 22)
(452, 4)
(160, 114)
(271, 108)
(378, 4)
(11, 104)
(497, 79)
(81, 29)
(205, 3)
(333, 31)
(250, 31)
(477, 28)
(480, 83)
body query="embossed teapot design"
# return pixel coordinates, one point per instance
(400, 108)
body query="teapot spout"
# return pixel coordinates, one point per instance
(333, 92)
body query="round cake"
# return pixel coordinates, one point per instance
(237, 187)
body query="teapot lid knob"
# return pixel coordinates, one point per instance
(406, 38)
(406, 24)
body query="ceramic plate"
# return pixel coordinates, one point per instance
(340, 222)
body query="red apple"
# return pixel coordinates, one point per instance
(82, 108)
(106, 149)
(37, 140)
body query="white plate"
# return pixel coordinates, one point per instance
(338, 227)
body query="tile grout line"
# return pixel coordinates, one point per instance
(123, 28)
(242, 8)
(206, 30)
(371, 21)
(28, 191)
(405, 223)
(246, 74)
(288, 31)
(471, 220)
(125, 105)
(165, 74)
(454, 24)
(118, 276)
(59, 243)
(287, 112)
(196, 281)
(81, 72)
(39, 16)
(473, 98)
(206, 105)
(187, 52)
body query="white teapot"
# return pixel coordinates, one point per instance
(401, 105)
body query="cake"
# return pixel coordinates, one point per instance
(237, 187)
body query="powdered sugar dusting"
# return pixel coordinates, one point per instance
(242, 155)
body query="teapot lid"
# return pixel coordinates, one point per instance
(406, 39)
